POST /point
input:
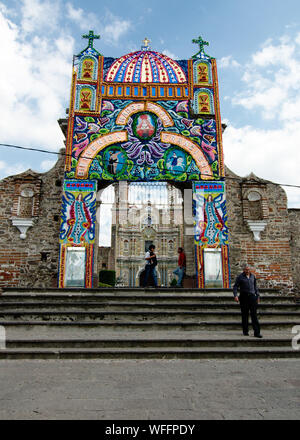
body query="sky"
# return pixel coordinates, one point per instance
(256, 45)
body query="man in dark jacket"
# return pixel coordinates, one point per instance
(248, 299)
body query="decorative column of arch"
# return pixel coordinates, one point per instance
(211, 234)
(77, 233)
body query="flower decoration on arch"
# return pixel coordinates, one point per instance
(144, 142)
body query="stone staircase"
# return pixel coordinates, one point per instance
(137, 323)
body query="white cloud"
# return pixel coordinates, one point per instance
(170, 54)
(85, 20)
(104, 215)
(228, 61)
(46, 165)
(272, 92)
(11, 170)
(40, 15)
(105, 226)
(272, 55)
(34, 82)
(270, 154)
(35, 75)
(272, 79)
(115, 28)
(291, 25)
(111, 27)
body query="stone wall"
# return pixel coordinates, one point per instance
(270, 257)
(104, 258)
(31, 261)
(294, 221)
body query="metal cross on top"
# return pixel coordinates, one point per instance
(146, 42)
(201, 43)
(91, 37)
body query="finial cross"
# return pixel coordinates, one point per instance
(201, 43)
(146, 42)
(91, 37)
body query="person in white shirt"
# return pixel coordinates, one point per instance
(150, 267)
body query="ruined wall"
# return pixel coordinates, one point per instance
(30, 261)
(294, 218)
(254, 201)
(104, 258)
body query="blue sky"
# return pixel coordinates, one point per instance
(256, 44)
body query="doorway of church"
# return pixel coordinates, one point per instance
(143, 213)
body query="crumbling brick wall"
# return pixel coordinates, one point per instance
(33, 261)
(294, 218)
(270, 257)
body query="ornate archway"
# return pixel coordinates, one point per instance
(137, 124)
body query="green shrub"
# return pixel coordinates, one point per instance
(107, 277)
(173, 282)
(104, 285)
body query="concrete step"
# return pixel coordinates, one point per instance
(154, 306)
(86, 333)
(48, 328)
(126, 291)
(139, 315)
(150, 353)
(120, 291)
(152, 295)
(138, 323)
(147, 343)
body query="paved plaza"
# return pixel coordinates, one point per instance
(150, 389)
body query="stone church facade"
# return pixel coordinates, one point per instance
(145, 223)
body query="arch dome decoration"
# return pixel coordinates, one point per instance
(146, 66)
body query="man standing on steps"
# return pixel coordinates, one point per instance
(151, 263)
(248, 299)
(181, 267)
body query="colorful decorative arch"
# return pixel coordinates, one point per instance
(162, 114)
(121, 136)
(204, 101)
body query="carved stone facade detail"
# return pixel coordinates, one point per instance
(22, 224)
(255, 204)
(256, 226)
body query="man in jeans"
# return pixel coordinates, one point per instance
(248, 299)
(151, 263)
(181, 267)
